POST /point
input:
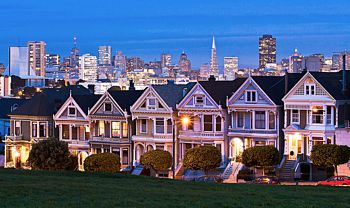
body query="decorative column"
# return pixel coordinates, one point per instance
(253, 120)
(285, 118)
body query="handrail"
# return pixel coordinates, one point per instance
(226, 169)
(282, 162)
(296, 164)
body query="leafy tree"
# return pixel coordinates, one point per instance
(330, 155)
(50, 154)
(157, 160)
(102, 162)
(202, 158)
(263, 156)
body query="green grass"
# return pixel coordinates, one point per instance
(74, 189)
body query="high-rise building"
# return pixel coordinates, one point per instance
(347, 58)
(204, 71)
(105, 55)
(230, 67)
(313, 62)
(53, 60)
(37, 57)
(295, 62)
(214, 67)
(267, 50)
(19, 62)
(134, 63)
(336, 61)
(120, 61)
(74, 55)
(184, 63)
(88, 68)
(165, 59)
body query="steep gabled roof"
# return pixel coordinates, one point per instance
(7, 104)
(273, 86)
(86, 102)
(171, 93)
(125, 98)
(220, 90)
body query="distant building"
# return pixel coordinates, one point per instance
(165, 59)
(105, 55)
(214, 67)
(134, 63)
(2, 68)
(53, 60)
(184, 63)
(37, 57)
(88, 68)
(120, 61)
(347, 57)
(313, 63)
(230, 67)
(74, 55)
(19, 62)
(295, 62)
(5, 86)
(204, 71)
(336, 58)
(267, 50)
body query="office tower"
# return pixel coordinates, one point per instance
(230, 67)
(184, 63)
(19, 62)
(336, 59)
(204, 71)
(347, 58)
(120, 61)
(88, 68)
(37, 57)
(74, 55)
(105, 55)
(165, 59)
(53, 60)
(134, 63)
(295, 62)
(267, 50)
(214, 67)
(313, 62)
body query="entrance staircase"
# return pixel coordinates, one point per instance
(231, 172)
(179, 171)
(137, 170)
(287, 171)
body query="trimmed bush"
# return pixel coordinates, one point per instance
(202, 158)
(50, 154)
(103, 162)
(157, 160)
(262, 156)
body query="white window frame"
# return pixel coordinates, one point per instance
(291, 116)
(155, 125)
(199, 96)
(237, 119)
(75, 111)
(309, 87)
(104, 107)
(251, 96)
(150, 107)
(143, 132)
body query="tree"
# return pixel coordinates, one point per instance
(202, 158)
(157, 160)
(102, 162)
(263, 156)
(330, 155)
(50, 154)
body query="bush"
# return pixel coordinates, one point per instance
(262, 156)
(157, 160)
(202, 158)
(50, 154)
(72, 163)
(103, 162)
(245, 174)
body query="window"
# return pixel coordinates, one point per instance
(116, 129)
(108, 107)
(74, 133)
(71, 111)
(250, 96)
(169, 126)
(125, 129)
(272, 122)
(218, 123)
(309, 89)
(125, 159)
(295, 116)
(317, 115)
(208, 123)
(65, 132)
(260, 143)
(34, 129)
(143, 126)
(50, 127)
(101, 128)
(159, 147)
(240, 119)
(329, 114)
(17, 128)
(42, 129)
(199, 100)
(260, 119)
(159, 125)
(143, 105)
(317, 140)
(151, 104)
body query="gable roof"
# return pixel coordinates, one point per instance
(86, 102)
(273, 86)
(125, 98)
(6, 105)
(220, 90)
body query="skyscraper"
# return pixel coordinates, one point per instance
(336, 59)
(267, 50)
(230, 67)
(53, 60)
(105, 55)
(184, 63)
(295, 62)
(204, 71)
(214, 67)
(120, 61)
(88, 68)
(74, 55)
(37, 57)
(165, 59)
(19, 62)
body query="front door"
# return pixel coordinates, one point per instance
(295, 147)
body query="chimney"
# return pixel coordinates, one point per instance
(345, 89)
(212, 78)
(131, 85)
(286, 83)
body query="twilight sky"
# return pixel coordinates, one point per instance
(148, 28)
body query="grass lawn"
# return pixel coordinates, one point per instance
(75, 189)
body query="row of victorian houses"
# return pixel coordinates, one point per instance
(292, 112)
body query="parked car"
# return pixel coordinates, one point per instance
(266, 180)
(210, 178)
(336, 181)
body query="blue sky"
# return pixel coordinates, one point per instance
(148, 28)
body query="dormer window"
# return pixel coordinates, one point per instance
(151, 105)
(250, 96)
(72, 111)
(108, 107)
(199, 100)
(310, 89)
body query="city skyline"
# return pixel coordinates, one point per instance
(174, 28)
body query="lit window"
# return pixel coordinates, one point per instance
(317, 115)
(115, 129)
(125, 129)
(250, 96)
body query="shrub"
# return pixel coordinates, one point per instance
(72, 163)
(202, 158)
(263, 156)
(103, 162)
(330, 155)
(157, 160)
(50, 154)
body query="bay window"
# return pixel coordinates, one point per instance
(34, 130)
(116, 129)
(42, 129)
(218, 123)
(317, 115)
(295, 116)
(125, 129)
(240, 119)
(208, 123)
(272, 121)
(169, 126)
(159, 125)
(143, 126)
(260, 119)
